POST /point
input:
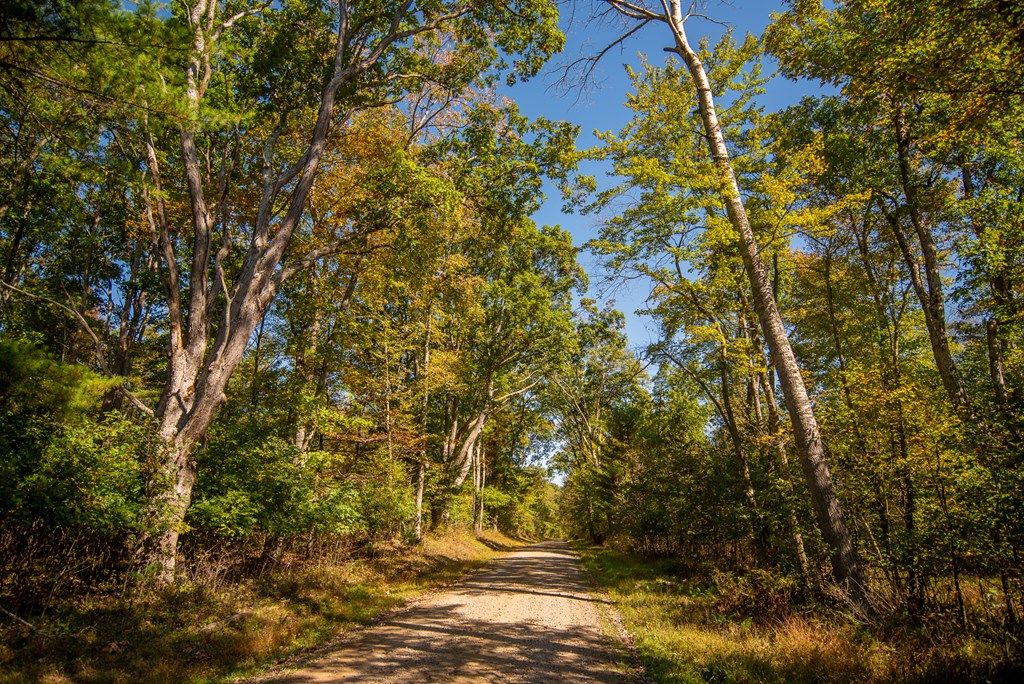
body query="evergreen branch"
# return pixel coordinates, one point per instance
(101, 359)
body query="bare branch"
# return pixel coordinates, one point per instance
(516, 393)
(689, 371)
(24, 623)
(330, 249)
(161, 237)
(228, 23)
(586, 66)
(101, 359)
(634, 11)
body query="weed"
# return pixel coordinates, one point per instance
(220, 625)
(693, 625)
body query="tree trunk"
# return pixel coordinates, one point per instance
(932, 299)
(478, 489)
(915, 587)
(995, 361)
(463, 460)
(421, 470)
(167, 510)
(199, 367)
(1002, 305)
(421, 479)
(831, 522)
(757, 525)
(775, 433)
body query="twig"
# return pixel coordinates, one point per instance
(25, 623)
(100, 358)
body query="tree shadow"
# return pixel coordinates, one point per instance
(435, 644)
(542, 630)
(495, 545)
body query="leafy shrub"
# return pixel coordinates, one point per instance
(252, 483)
(758, 594)
(386, 497)
(63, 465)
(71, 478)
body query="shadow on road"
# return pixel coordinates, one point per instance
(524, 618)
(495, 545)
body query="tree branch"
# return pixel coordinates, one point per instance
(229, 22)
(101, 359)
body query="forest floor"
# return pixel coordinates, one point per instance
(218, 626)
(529, 616)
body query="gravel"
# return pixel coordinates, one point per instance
(526, 617)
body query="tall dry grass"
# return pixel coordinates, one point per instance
(691, 624)
(230, 615)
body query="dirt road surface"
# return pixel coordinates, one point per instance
(526, 617)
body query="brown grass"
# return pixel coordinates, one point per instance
(703, 628)
(216, 629)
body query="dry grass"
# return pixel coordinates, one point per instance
(686, 629)
(219, 630)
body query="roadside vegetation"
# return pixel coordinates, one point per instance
(820, 478)
(272, 317)
(220, 625)
(273, 301)
(692, 624)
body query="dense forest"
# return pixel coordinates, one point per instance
(271, 295)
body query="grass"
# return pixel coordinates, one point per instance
(704, 627)
(194, 633)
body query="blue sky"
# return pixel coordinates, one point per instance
(601, 107)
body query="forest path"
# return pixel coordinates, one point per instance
(526, 617)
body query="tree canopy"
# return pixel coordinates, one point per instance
(272, 284)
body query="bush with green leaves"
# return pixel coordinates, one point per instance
(65, 463)
(254, 483)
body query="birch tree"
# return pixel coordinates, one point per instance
(675, 15)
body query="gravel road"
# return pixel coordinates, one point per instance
(526, 617)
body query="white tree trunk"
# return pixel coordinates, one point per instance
(831, 522)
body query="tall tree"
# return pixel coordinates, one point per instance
(599, 377)
(933, 75)
(298, 99)
(831, 521)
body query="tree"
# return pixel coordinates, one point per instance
(599, 375)
(284, 90)
(934, 99)
(831, 521)
(946, 117)
(510, 340)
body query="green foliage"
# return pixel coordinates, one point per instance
(524, 505)
(63, 464)
(386, 497)
(938, 51)
(691, 625)
(253, 485)
(33, 385)
(428, 326)
(421, 199)
(870, 206)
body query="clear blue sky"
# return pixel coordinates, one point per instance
(601, 107)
